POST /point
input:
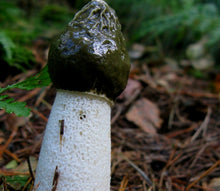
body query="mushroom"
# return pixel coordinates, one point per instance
(89, 65)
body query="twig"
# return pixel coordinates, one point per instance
(203, 126)
(27, 183)
(141, 172)
(203, 175)
(49, 106)
(4, 147)
(199, 154)
(170, 161)
(144, 185)
(12, 173)
(35, 188)
(39, 114)
(186, 183)
(177, 187)
(200, 95)
(118, 113)
(180, 132)
(14, 156)
(30, 94)
(2, 181)
(42, 95)
(30, 168)
(173, 111)
(124, 183)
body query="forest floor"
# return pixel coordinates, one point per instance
(165, 130)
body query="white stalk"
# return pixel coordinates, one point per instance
(76, 149)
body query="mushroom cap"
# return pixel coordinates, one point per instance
(90, 54)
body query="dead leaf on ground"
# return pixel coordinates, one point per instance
(133, 87)
(214, 184)
(146, 115)
(23, 167)
(12, 121)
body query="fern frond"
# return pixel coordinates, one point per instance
(39, 80)
(19, 108)
(11, 106)
(199, 20)
(7, 45)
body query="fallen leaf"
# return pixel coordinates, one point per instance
(203, 63)
(214, 184)
(146, 115)
(133, 87)
(23, 167)
(12, 121)
(11, 165)
(137, 51)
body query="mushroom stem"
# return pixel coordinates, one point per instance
(76, 148)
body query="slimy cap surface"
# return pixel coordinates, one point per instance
(90, 54)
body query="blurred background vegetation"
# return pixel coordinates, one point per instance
(181, 29)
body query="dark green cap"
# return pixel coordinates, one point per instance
(90, 54)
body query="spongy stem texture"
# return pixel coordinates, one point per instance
(76, 149)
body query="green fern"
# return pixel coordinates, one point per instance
(198, 18)
(40, 80)
(9, 12)
(7, 45)
(14, 54)
(182, 27)
(19, 108)
(17, 182)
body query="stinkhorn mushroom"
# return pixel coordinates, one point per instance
(89, 65)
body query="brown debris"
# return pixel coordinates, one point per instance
(55, 179)
(165, 126)
(146, 115)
